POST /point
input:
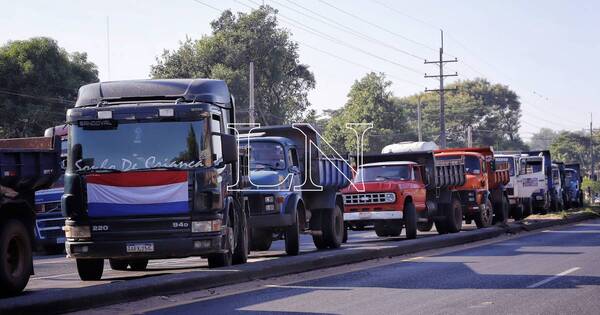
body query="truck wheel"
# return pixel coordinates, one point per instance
(90, 269)
(381, 229)
(240, 254)
(455, 217)
(501, 211)
(138, 264)
(410, 220)
(332, 225)
(261, 239)
(224, 259)
(554, 205)
(386, 228)
(292, 236)
(483, 217)
(316, 225)
(15, 257)
(118, 264)
(527, 207)
(345, 240)
(425, 226)
(518, 210)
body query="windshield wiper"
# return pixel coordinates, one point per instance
(99, 170)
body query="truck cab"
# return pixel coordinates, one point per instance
(558, 202)
(148, 168)
(573, 179)
(526, 176)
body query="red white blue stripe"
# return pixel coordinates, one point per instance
(137, 193)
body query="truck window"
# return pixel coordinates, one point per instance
(534, 167)
(472, 163)
(382, 173)
(293, 157)
(417, 174)
(507, 160)
(266, 155)
(215, 126)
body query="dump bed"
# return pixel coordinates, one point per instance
(326, 172)
(498, 173)
(437, 173)
(29, 164)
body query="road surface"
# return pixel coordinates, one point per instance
(555, 271)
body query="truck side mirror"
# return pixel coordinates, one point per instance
(294, 169)
(230, 148)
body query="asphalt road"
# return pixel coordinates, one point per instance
(554, 271)
(56, 272)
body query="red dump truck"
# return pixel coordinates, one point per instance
(409, 190)
(483, 196)
(26, 165)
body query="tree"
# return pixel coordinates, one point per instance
(369, 101)
(38, 81)
(491, 110)
(281, 81)
(542, 139)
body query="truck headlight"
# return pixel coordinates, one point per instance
(269, 199)
(270, 207)
(390, 197)
(77, 231)
(206, 226)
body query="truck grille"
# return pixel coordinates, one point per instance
(357, 199)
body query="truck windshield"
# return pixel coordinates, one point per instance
(136, 146)
(265, 155)
(472, 165)
(533, 167)
(510, 161)
(382, 173)
(571, 176)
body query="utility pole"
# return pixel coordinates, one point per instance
(108, 47)
(592, 146)
(469, 136)
(419, 120)
(441, 90)
(251, 113)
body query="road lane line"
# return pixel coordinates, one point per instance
(564, 273)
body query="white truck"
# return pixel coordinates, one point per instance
(527, 180)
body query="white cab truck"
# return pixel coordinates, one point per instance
(527, 181)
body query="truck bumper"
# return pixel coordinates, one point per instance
(373, 215)
(271, 220)
(162, 248)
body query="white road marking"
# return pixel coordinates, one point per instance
(564, 273)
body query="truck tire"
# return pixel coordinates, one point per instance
(345, 240)
(483, 217)
(292, 236)
(90, 269)
(455, 217)
(501, 211)
(118, 264)
(15, 257)
(425, 226)
(518, 211)
(240, 254)
(138, 264)
(410, 220)
(261, 239)
(332, 226)
(315, 224)
(225, 259)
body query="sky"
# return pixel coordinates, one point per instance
(546, 51)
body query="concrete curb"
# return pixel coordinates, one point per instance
(63, 300)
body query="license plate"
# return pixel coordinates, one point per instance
(60, 240)
(364, 215)
(140, 248)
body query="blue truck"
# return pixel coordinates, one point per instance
(26, 165)
(149, 166)
(49, 220)
(292, 192)
(573, 180)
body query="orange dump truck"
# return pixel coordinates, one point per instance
(483, 196)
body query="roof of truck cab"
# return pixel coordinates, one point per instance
(389, 163)
(190, 90)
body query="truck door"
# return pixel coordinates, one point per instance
(294, 166)
(420, 193)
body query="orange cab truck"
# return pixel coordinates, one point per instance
(405, 190)
(483, 196)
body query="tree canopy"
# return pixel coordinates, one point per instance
(281, 81)
(38, 81)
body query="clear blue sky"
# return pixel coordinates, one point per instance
(547, 51)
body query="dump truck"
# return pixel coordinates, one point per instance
(544, 197)
(483, 196)
(558, 182)
(410, 190)
(573, 180)
(290, 191)
(525, 174)
(26, 165)
(149, 164)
